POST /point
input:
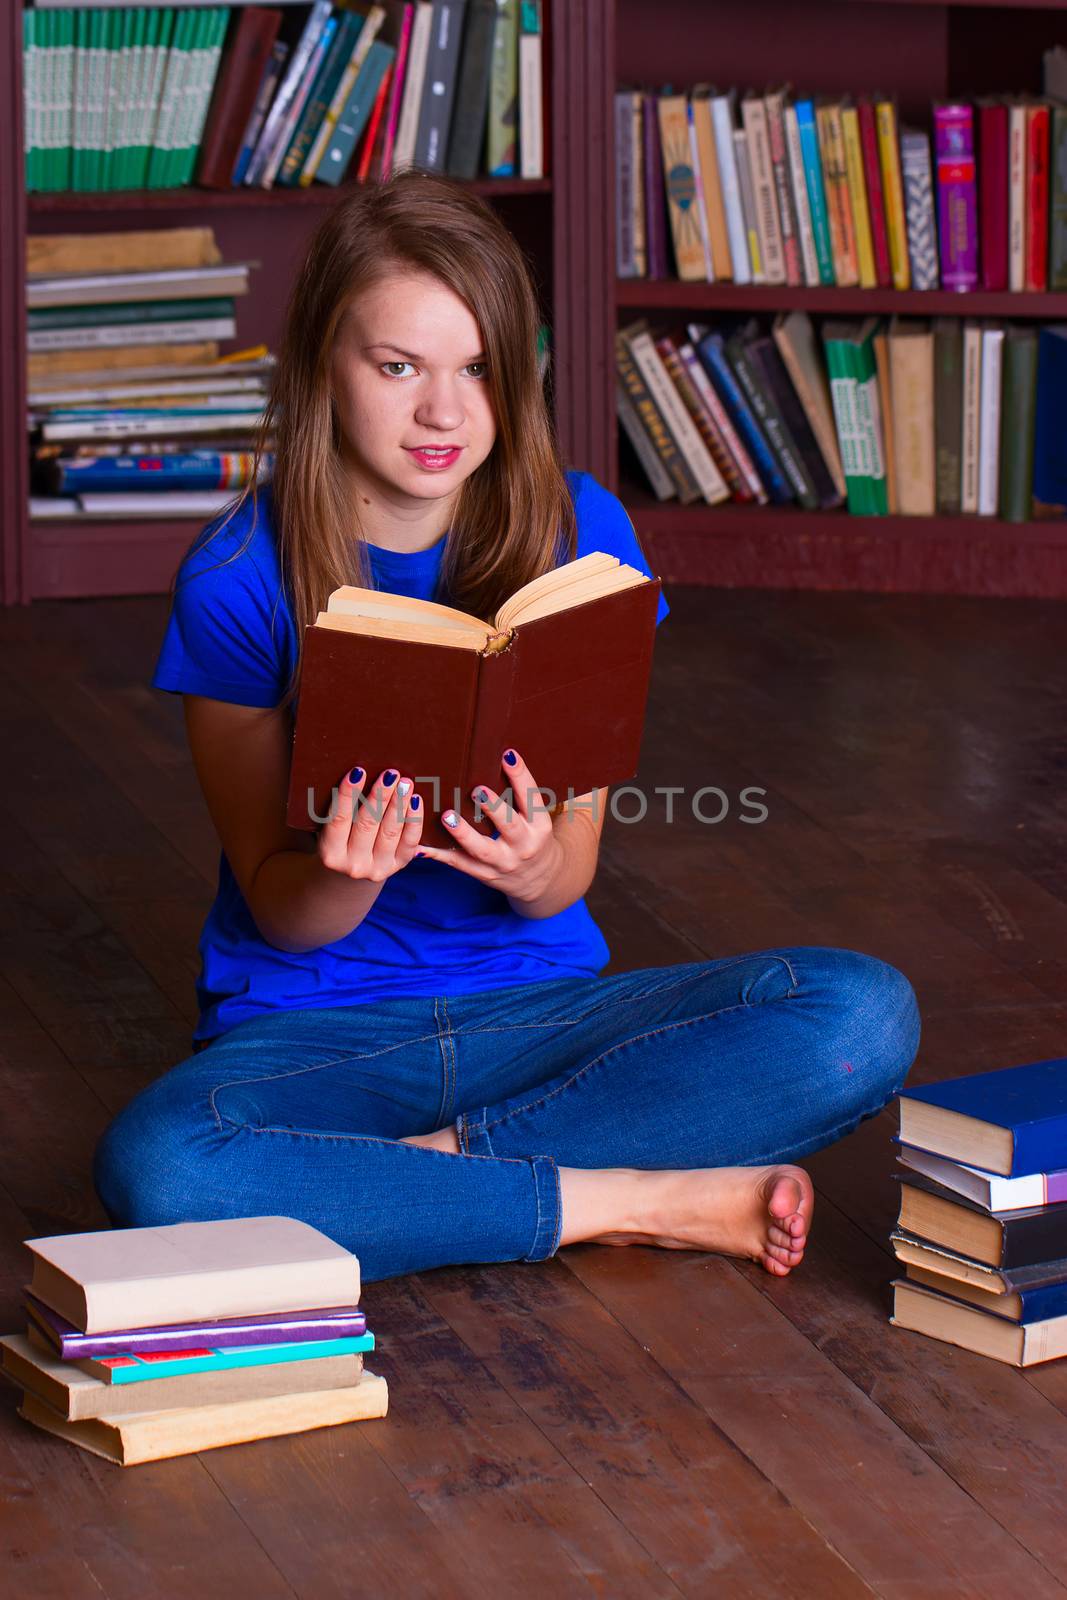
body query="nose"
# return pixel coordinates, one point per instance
(440, 405)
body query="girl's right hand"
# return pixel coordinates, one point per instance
(372, 836)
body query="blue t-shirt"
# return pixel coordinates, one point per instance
(432, 929)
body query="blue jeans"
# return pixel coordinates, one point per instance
(743, 1061)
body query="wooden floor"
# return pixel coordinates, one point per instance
(610, 1422)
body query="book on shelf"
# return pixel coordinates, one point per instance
(540, 676)
(267, 96)
(125, 1356)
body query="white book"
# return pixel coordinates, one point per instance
(214, 385)
(1016, 197)
(987, 1189)
(136, 333)
(148, 427)
(119, 288)
(645, 450)
(972, 383)
(723, 123)
(748, 205)
(161, 503)
(414, 77)
(651, 366)
(701, 201)
(287, 91)
(721, 417)
(531, 130)
(989, 422)
(768, 224)
(794, 151)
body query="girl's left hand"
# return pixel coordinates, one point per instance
(522, 862)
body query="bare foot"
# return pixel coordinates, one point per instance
(761, 1213)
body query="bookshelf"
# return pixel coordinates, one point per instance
(920, 50)
(553, 219)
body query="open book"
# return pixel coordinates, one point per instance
(561, 674)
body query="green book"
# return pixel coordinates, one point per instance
(211, 64)
(353, 119)
(173, 151)
(30, 79)
(836, 342)
(118, 315)
(97, 109)
(159, 32)
(1057, 228)
(868, 406)
(60, 173)
(502, 125)
(173, 74)
(322, 93)
(948, 413)
(1018, 414)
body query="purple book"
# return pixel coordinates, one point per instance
(957, 195)
(277, 1327)
(655, 195)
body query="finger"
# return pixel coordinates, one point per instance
(469, 840)
(393, 812)
(528, 802)
(499, 810)
(458, 860)
(333, 838)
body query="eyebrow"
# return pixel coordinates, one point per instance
(384, 344)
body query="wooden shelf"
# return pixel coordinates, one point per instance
(71, 557)
(673, 295)
(193, 199)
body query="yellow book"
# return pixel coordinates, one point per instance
(857, 193)
(838, 204)
(721, 259)
(680, 183)
(893, 190)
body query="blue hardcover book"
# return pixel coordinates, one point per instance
(820, 217)
(195, 469)
(1034, 1304)
(712, 352)
(1050, 458)
(135, 1369)
(1013, 1121)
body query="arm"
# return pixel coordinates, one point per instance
(576, 829)
(241, 755)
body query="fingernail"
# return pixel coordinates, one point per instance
(388, 778)
(481, 794)
(415, 802)
(402, 788)
(450, 819)
(510, 757)
(356, 775)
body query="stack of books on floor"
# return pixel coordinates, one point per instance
(896, 417)
(145, 1343)
(151, 97)
(982, 1230)
(832, 190)
(132, 410)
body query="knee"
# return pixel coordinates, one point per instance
(144, 1164)
(875, 1035)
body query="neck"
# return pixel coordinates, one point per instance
(395, 521)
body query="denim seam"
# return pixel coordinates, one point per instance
(692, 977)
(364, 1138)
(686, 1022)
(450, 1084)
(319, 1066)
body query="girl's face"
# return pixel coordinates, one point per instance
(409, 372)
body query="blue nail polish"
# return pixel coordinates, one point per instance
(356, 775)
(415, 802)
(388, 778)
(510, 757)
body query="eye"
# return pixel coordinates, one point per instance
(395, 364)
(484, 366)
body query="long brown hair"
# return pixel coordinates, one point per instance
(514, 518)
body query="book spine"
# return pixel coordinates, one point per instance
(680, 184)
(948, 413)
(835, 173)
(531, 92)
(204, 1296)
(396, 93)
(893, 188)
(716, 446)
(957, 200)
(770, 418)
(1017, 198)
(919, 196)
(816, 189)
(652, 369)
(857, 194)
(743, 479)
(880, 343)
(722, 121)
(796, 429)
(439, 88)
(625, 263)
(658, 261)
(768, 227)
(748, 204)
(502, 132)
(912, 386)
(288, 89)
(644, 449)
(1018, 416)
(657, 430)
(1035, 275)
(787, 211)
(972, 384)
(993, 207)
(872, 169)
(806, 233)
(699, 200)
(472, 92)
(869, 410)
(843, 399)
(989, 424)
(1057, 262)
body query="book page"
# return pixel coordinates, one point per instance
(539, 599)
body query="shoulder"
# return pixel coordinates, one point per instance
(240, 544)
(605, 524)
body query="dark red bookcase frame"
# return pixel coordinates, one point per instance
(918, 49)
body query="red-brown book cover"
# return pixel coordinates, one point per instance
(568, 692)
(872, 172)
(235, 94)
(1036, 234)
(993, 193)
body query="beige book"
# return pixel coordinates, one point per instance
(718, 234)
(677, 157)
(233, 1267)
(1008, 1305)
(650, 364)
(831, 137)
(76, 1394)
(1017, 197)
(1019, 1345)
(638, 206)
(798, 346)
(768, 226)
(53, 363)
(152, 250)
(972, 388)
(158, 1435)
(924, 1253)
(911, 377)
(880, 345)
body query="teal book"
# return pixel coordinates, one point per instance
(135, 1369)
(325, 87)
(820, 219)
(353, 119)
